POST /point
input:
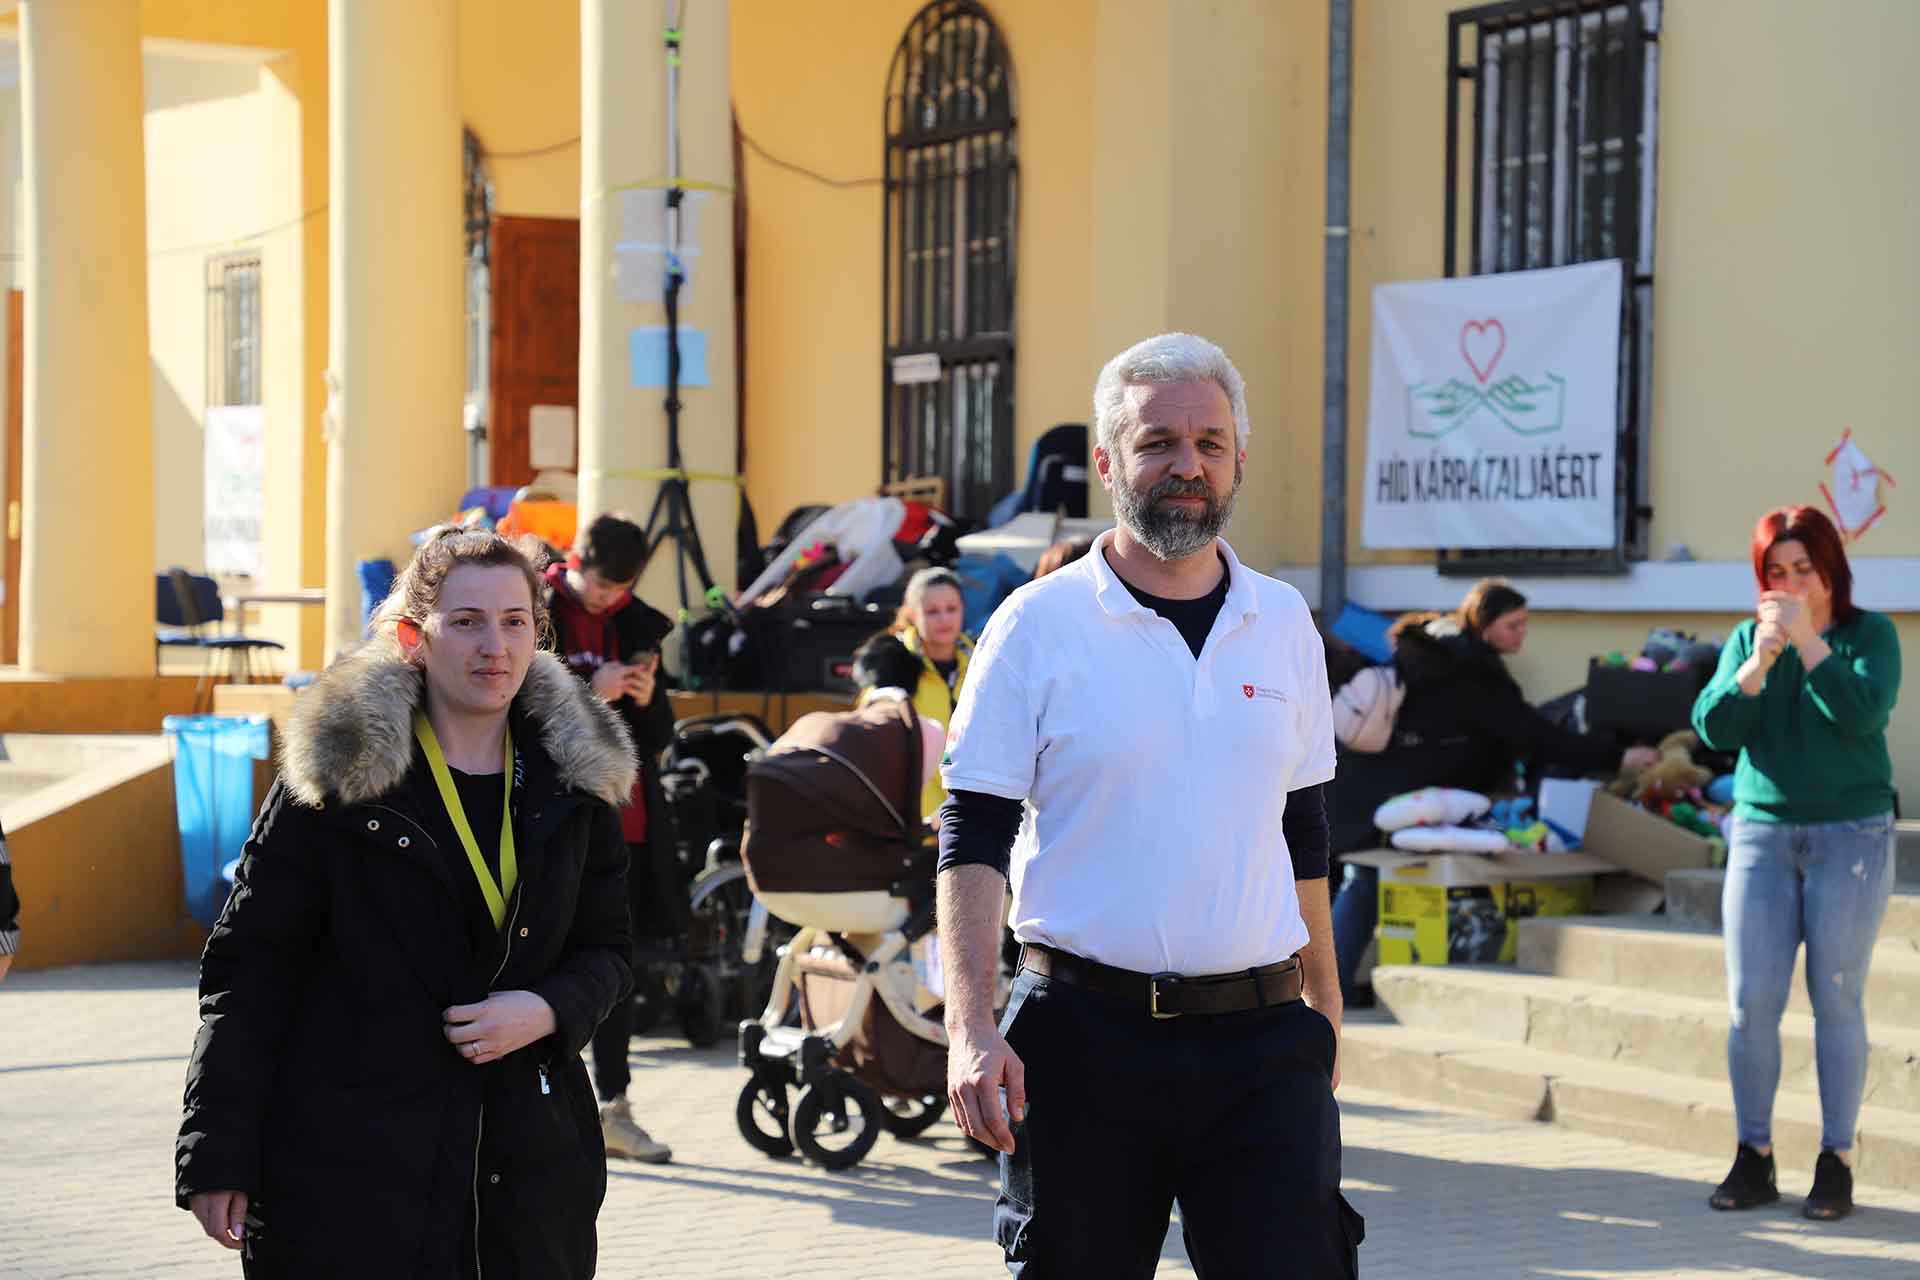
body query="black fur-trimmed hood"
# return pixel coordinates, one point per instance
(350, 736)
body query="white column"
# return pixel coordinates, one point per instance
(623, 116)
(396, 456)
(87, 545)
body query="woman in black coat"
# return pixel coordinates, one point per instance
(426, 926)
(1464, 724)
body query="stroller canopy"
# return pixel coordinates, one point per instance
(834, 805)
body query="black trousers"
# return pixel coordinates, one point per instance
(1230, 1114)
(611, 1074)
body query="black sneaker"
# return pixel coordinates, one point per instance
(1749, 1183)
(1832, 1194)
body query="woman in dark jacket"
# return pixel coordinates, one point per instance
(426, 926)
(1464, 723)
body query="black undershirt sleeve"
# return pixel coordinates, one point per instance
(977, 829)
(1305, 826)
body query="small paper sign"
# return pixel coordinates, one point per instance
(924, 367)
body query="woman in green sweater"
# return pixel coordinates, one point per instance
(1804, 692)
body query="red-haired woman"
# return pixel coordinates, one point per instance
(1804, 692)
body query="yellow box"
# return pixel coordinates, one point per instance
(1424, 923)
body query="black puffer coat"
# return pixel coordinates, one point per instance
(1463, 724)
(321, 1082)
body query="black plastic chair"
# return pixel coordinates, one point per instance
(171, 630)
(197, 601)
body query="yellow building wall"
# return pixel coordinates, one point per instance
(206, 145)
(1246, 253)
(520, 94)
(1785, 303)
(289, 38)
(809, 85)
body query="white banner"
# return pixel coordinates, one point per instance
(236, 462)
(1493, 410)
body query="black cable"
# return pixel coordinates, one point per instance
(802, 170)
(531, 152)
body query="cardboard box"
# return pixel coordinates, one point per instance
(1465, 908)
(1631, 839)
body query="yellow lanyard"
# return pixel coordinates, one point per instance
(495, 894)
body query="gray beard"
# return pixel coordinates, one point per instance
(1171, 533)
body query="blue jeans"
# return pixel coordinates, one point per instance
(1826, 884)
(1356, 913)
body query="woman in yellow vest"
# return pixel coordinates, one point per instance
(929, 625)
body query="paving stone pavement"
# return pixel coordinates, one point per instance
(91, 1063)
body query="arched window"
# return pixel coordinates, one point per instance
(952, 186)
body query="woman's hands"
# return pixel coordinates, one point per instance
(1784, 620)
(1769, 642)
(503, 1022)
(1789, 612)
(222, 1215)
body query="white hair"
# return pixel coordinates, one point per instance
(1169, 357)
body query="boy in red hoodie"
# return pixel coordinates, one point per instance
(611, 639)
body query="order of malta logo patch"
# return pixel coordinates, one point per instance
(1261, 691)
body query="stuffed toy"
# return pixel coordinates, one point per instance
(1675, 763)
(1674, 776)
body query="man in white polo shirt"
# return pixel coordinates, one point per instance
(1153, 722)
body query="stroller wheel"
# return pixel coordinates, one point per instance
(911, 1117)
(762, 1116)
(835, 1122)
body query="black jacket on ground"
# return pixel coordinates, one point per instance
(322, 1083)
(1463, 724)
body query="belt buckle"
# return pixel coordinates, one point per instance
(1153, 994)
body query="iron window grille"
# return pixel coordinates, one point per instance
(1560, 98)
(952, 198)
(478, 199)
(233, 329)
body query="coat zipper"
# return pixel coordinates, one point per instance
(480, 1128)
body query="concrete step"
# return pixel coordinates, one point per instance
(1681, 1035)
(1651, 953)
(1658, 1108)
(1693, 898)
(1906, 852)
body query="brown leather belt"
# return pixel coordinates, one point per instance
(1168, 995)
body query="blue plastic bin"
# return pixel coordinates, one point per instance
(213, 793)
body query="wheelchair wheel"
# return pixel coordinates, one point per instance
(911, 1117)
(762, 1115)
(835, 1122)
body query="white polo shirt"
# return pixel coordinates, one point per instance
(1154, 781)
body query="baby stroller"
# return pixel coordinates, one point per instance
(702, 953)
(834, 844)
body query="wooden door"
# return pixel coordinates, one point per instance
(535, 354)
(16, 442)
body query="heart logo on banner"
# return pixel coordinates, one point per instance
(1483, 342)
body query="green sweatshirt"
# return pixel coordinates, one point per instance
(1813, 744)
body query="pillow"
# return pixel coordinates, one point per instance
(1451, 840)
(1431, 807)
